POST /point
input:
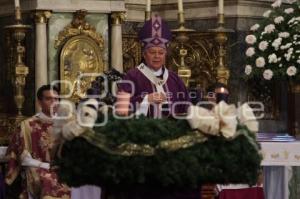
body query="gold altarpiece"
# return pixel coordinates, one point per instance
(80, 50)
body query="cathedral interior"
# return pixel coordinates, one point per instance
(44, 41)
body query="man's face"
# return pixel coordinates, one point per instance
(49, 101)
(155, 57)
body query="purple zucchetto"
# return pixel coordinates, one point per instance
(155, 32)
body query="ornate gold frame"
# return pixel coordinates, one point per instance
(81, 54)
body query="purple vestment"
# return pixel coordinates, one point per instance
(155, 32)
(176, 92)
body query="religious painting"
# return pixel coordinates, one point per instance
(80, 64)
(81, 56)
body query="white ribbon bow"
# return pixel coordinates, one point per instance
(223, 119)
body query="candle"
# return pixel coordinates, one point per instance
(222, 90)
(180, 6)
(221, 7)
(222, 95)
(123, 103)
(17, 3)
(148, 6)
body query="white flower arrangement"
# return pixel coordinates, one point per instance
(250, 52)
(248, 69)
(268, 74)
(267, 13)
(263, 45)
(255, 27)
(291, 71)
(278, 20)
(251, 39)
(276, 4)
(274, 44)
(260, 62)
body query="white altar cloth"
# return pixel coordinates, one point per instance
(280, 153)
(278, 157)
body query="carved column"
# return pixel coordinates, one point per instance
(116, 40)
(41, 64)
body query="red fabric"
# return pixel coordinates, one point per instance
(249, 193)
(41, 183)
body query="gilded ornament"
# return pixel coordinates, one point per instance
(81, 54)
(131, 149)
(275, 155)
(286, 154)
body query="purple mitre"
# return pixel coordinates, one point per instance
(155, 32)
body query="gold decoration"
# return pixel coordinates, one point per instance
(184, 72)
(42, 16)
(15, 78)
(286, 154)
(221, 38)
(79, 26)
(81, 55)
(183, 142)
(118, 17)
(222, 70)
(128, 149)
(132, 52)
(275, 155)
(201, 58)
(131, 149)
(8, 125)
(18, 31)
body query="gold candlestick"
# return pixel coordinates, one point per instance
(184, 72)
(221, 38)
(18, 32)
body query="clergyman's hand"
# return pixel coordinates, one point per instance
(156, 98)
